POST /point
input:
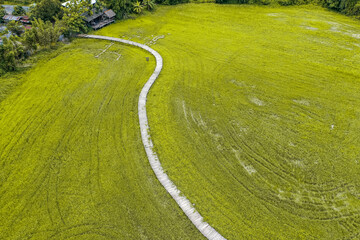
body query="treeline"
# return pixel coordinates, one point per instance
(50, 20)
(20, 44)
(267, 2)
(348, 7)
(171, 2)
(124, 8)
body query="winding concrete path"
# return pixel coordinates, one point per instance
(195, 217)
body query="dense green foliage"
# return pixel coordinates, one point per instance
(45, 34)
(149, 4)
(47, 10)
(266, 2)
(122, 8)
(11, 52)
(171, 2)
(72, 162)
(349, 7)
(2, 14)
(15, 27)
(18, 11)
(50, 20)
(137, 7)
(255, 115)
(73, 19)
(16, 49)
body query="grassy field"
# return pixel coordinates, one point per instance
(72, 165)
(255, 116)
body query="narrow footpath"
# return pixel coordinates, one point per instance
(194, 216)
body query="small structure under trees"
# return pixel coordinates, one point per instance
(22, 19)
(8, 18)
(25, 20)
(91, 11)
(100, 19)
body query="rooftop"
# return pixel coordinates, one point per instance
(110, 13)
(11, 18)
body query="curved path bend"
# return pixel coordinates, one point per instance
(194, 216)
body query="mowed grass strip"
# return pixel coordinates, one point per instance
(72, 165)
(255, 116)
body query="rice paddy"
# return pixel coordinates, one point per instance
(72, 161)
(254, 117)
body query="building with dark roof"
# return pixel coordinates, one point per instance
(25, 20)
(100, 19)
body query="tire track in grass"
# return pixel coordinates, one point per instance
(187, 207)
(326, 215)
(125, 177)
(26, 123)
(60, 144)
(281, 172)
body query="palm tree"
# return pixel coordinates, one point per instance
(137, 7)
(150, 4)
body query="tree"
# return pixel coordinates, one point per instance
(47, 10)
(30, 40)
(350, 7)
(174, 2)
(98, 7)
(149, 4)
(11, 52)
(137, 7)
(73, 18)
(15, 28)
(2, 14)
(121, 7)
(43, 33)
(4, 32)
(18, 11)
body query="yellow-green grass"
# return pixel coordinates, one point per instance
(72, 165)
(255, 116)
(8, 83)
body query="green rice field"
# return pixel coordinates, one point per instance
(255, 118)
(72, 161)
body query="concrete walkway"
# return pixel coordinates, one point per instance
(195, 217)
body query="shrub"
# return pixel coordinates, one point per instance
(18, 11)
(43, 33)
(2, 14)
(47, 10)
